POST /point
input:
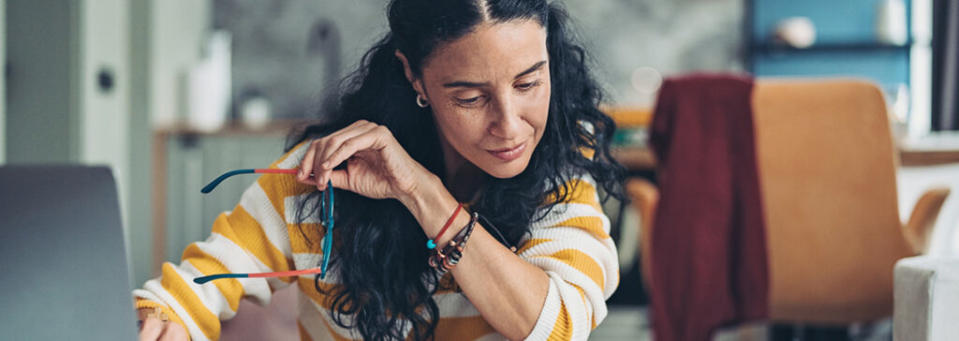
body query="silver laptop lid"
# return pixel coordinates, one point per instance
(62, 255)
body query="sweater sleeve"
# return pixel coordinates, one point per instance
(572, 245)
(253, 237)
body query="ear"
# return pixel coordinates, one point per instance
(416, 83)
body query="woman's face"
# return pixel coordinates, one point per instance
(489, 92)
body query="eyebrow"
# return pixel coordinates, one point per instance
(457, 84)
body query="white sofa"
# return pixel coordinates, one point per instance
(926, 299)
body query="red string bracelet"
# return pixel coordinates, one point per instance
(431, 244)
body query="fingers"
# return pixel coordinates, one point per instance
(174, 332)
(308, 165)
(152, 328)
(340, 150)
(368, 140)
(321, 164)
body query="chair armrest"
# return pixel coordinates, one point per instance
(923, 218)
(926, 299)
(645, 199)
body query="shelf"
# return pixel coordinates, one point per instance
(934, 149)
(233, 128)
(829, 47)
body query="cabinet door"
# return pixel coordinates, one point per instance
(192, 162)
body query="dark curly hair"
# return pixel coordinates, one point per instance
(386, 285)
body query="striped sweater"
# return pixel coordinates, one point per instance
(571, 245)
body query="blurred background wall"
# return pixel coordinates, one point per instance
(290, 50)
(3, 89)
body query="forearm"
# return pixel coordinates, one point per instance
(508, 291)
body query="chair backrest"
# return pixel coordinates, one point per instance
(827, 172)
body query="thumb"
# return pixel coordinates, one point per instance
(340, 179)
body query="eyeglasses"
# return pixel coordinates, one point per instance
(326, 212)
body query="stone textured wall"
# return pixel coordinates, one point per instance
(290, 50)
(668, 36)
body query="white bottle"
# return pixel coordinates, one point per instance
(891, 22)
(209, 85)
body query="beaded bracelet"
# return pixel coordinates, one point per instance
(431, 244)
(454, 250)
(444, 260)
(440, 258)
(156, 313)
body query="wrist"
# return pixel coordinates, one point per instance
(432, 205)
(422, 181)
(418, 196)
(156, 312)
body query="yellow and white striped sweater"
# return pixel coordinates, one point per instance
(571, 245)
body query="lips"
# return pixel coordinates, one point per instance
(509, 154)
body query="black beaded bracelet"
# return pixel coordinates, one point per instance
(446, 258)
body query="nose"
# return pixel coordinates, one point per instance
(507, 122)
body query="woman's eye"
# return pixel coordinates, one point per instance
(527, 86)
(467, 101)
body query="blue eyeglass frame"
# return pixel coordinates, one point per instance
(326, 212)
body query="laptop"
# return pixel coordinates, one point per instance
(63, 268)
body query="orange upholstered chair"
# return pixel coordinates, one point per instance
(827, 167)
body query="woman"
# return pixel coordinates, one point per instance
(481, 102)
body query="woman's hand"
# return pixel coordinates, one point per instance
(376, 165)
(155, 329)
